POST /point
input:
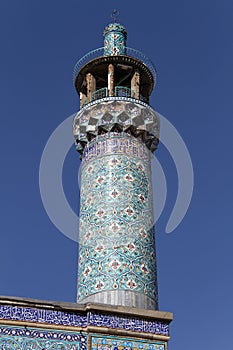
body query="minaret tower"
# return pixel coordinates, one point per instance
(116, 132)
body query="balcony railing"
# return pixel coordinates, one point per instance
(122, 91)
(100, 52)
(119, 91)
(101, 93)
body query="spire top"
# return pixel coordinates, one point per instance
(115, 13)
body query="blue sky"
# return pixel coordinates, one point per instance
(191, 44)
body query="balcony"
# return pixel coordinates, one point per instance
(138, 55)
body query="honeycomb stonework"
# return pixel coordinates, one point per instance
(125, 114)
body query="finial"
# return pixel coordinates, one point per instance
(115, 13)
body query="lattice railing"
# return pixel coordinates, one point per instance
(122, 91)
(101, 93)
(119, 91)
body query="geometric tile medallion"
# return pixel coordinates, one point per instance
(116, 233)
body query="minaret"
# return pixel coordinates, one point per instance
(116, 132)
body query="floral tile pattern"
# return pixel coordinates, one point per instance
(117, 247)
(21, 338)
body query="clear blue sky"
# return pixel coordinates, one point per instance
(191, 45)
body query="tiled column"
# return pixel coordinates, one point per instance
(117, 250)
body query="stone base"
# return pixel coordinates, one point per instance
(28, 323)
(123, 298)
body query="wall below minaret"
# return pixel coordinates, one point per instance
(39, 324)
(117, 264)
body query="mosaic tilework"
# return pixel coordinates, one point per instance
(122, 113)
(116, 231)
(110, 343)
(16, 313)
(114, 40)
(22, 338)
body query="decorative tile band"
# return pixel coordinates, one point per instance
(116, 343)
(116, 144)
(128, 323)
(98, 319)
(16, 313)
(21, 338)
